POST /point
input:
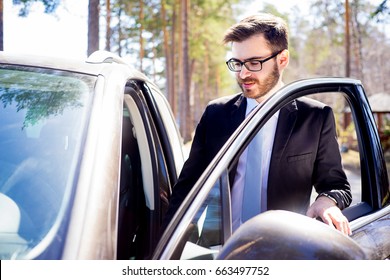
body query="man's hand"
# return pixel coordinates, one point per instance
(326, 209)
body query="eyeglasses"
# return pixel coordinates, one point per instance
(253, 65)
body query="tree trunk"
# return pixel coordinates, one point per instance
(120, 34)
(357, 42)
(206, 75)
(185, 120)
(154, 62)
(93, 26)
(1, 26)
(169, 74)
(347, 41)
(141, 39)
(174, 59)
(108, 25)
(179, 66)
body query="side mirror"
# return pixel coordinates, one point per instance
(283, 235)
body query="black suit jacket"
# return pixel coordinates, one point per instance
(305, 153)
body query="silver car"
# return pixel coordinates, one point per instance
(89, 151)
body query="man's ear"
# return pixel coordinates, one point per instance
(283, 59)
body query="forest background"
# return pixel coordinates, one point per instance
(178, 43)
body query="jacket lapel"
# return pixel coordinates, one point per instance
(236, 118)
(238, 113)
(284, 129)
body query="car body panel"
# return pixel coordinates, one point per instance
(372, 233)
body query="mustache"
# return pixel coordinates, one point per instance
(247, 80)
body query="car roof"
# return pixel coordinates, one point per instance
(95, 64)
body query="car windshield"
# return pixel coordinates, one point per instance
(42, 119)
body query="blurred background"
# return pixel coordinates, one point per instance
(177, 43)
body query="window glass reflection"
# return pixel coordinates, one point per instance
(41, 124)
(202, 239)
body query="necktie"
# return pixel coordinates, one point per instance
(252, 186)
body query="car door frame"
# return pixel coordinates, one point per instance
(373, 171)
(161, 156)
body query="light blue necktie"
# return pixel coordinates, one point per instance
(252, 186)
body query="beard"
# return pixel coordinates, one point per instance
(261, 88)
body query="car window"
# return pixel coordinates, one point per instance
(347, 140)
(203, 237)
(42, 119)
(173, 141)
(347, 144)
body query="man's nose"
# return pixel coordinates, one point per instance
(244, 73)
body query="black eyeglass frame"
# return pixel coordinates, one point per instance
(261, 61)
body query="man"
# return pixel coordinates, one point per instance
(302, 151)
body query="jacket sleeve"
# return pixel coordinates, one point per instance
(219, 120)
(192, 168)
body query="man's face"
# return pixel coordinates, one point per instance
(258, 85)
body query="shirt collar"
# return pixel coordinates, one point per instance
(252, 103)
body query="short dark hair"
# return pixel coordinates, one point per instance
(273, 28)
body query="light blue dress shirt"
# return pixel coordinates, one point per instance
(239, 181)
